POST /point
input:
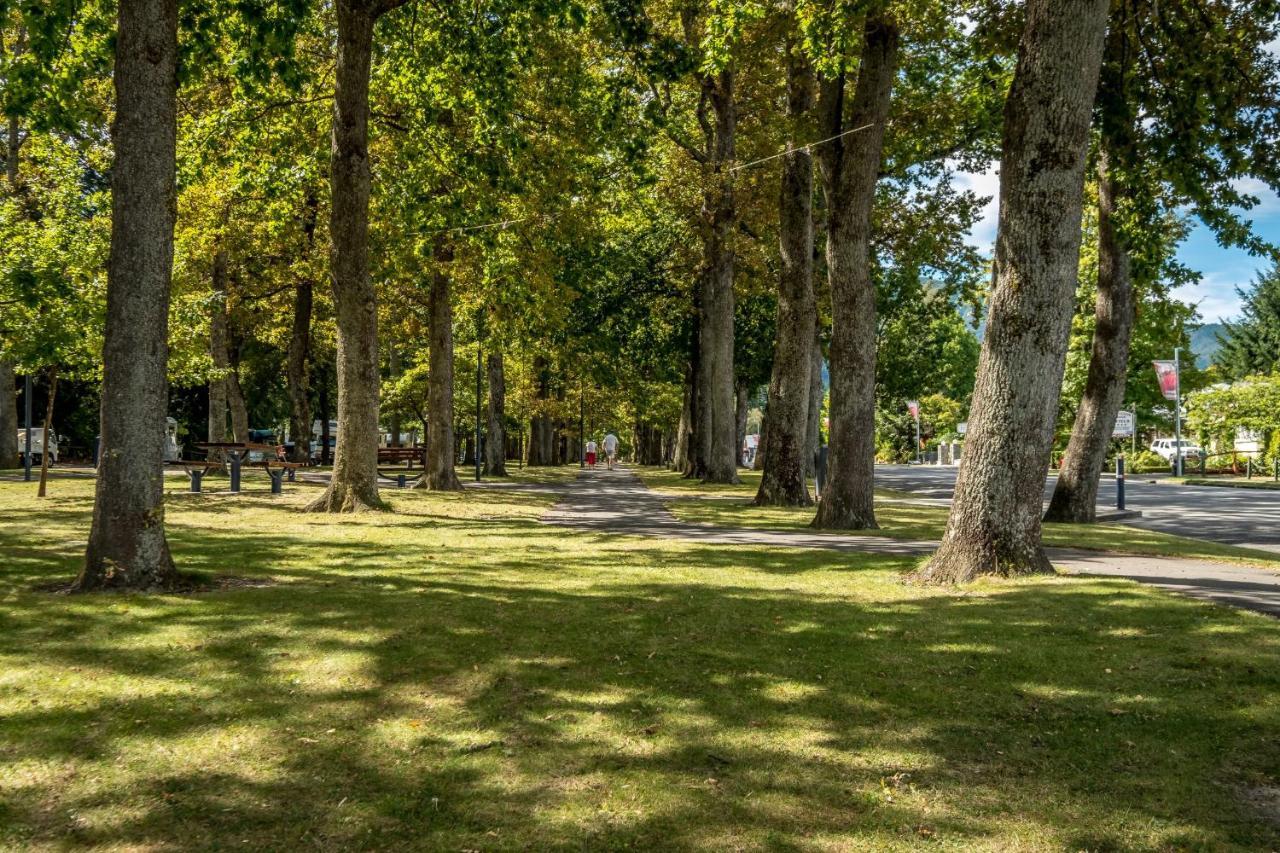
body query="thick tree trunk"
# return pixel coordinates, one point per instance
(1075, 496)
(540, 424)
(716, 429)
(296, 373)
(41, 490)
(785, 429)
(495, 457)
(235, 402)
(8, 416)
(850, 169)
(354, 485)
(441, 450)
(127, 546)
(994, 525)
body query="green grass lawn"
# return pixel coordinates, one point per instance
(456, 676)
(730, 506)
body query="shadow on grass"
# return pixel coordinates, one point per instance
(539, 688)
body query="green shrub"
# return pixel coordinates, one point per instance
(1145, 462)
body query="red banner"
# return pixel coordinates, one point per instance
(913, 406)
(1167, 374)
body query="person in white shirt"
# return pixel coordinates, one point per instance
(610, 449)
(591, 453)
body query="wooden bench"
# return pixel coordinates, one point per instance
(402, 454)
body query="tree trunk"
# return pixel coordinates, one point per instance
(127, 546)
(441, 450)
(540, 424)
(680, 454)
(495, 457)
(8, 416)
(1075, 496)
(994, 525)
(300, 344)
(742, 396)
(326, 434)
(813, 430)
(393, 422)
(716, 429)
(354, 485)
(218, 356)
(9, 453)
(850, 169)
(48, 431)
(785, 428)
(235, 401)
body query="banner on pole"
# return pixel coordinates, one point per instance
(1167, 374)
(1124, 425)
(913, 406)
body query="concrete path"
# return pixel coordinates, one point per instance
(618, 502)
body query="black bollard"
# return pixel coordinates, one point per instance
(235, 471)
(1119, 482)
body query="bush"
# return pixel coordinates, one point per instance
(1145, 462)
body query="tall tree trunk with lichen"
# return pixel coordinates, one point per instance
(716, 421)
(441, 449)
(994, 524)
(217, 421)
(850, 167)
(1075, 495)
(354, 485)
(785, 430)
(495, 446)
(127, 545)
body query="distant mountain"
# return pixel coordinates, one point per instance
(1204, 343)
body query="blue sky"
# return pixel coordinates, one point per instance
(1221, 270)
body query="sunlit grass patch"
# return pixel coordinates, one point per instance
(456, 674)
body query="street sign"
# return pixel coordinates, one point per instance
(962, 427)
(1124, 425)
(1167, 374)
(913, 406)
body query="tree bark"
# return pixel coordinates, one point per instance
(994, 525)
(218, 355)
(784, 432)
(127, 546)
(8, 416)
(495, 456)
(296, 372)
(354, 485)
(742, 398)
(813, 431)
(540, 423)
(441, 450)
(41, 490)
(716, 428)
(235, 400)
(1075, 496)
(9, 453)
(680, 454)
(850, 168)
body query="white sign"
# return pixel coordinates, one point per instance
(962, 427)
(1124, 425)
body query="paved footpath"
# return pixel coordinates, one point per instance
(618, 502)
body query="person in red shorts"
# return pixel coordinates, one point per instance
(591, 453)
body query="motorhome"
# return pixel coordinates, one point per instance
(37, 445)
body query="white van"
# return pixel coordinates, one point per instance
(37, 445)
(1166, 449)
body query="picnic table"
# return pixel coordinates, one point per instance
(238, 454)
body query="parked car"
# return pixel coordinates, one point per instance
(37, 445)
(1166, 449)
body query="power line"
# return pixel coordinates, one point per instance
(807, 147)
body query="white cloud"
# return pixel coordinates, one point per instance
(983, 234)
(1268, 201)
(1215, 296)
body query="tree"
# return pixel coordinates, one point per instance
(783, 481)
(1170, 134)
(441, 451)
(354, 485)
(127, 545)
(850, 167)
(1251, 345)
(994, 523)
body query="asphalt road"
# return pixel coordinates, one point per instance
(1248, 517)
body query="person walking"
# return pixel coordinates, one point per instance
(610, 449)
(591, 453)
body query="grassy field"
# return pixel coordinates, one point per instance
(730, 506)
(455, 675)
